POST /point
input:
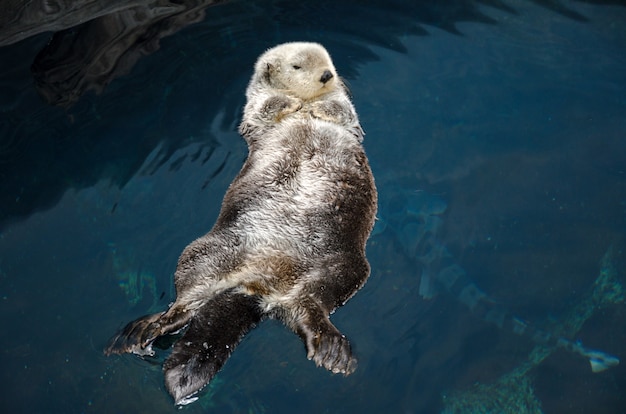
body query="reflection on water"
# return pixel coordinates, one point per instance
(508, 113)
(96, 42)
(89, 56)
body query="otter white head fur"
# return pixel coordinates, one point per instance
(289, 242)
(303, 70)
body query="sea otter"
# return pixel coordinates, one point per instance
(289, 242)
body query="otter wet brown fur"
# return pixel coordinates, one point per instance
(289, 242)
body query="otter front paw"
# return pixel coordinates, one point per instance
(331, 111)
(277, 107)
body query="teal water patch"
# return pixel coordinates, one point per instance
(513, 393)
(135, 282)
(516, 126)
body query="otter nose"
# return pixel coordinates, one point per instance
(326, 76)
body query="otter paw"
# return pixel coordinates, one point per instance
(294, 105)
(133, 339)
(279, 106)
(136, 337)
(332, 351)
(330, 111)
(152, 332)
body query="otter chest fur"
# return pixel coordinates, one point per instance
(289, 242)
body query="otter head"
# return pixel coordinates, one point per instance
(301, 69)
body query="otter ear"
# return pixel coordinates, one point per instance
(267, 73)
(271, 67)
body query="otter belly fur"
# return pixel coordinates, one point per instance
(289, 242)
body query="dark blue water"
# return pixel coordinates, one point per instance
(508, 118)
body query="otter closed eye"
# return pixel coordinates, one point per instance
(289, 242)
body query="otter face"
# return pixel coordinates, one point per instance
(304, 70)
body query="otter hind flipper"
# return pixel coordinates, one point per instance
(334, 353)
(324, 343)
(137, 336)
(213, 333)
(132, 337)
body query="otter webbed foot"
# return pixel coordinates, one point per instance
(133, 339)
(212, 335)
(137, 336)
(334, 353)
(328, 348)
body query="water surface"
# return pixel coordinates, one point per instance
(508, 117)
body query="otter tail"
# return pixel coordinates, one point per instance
(212, 335)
